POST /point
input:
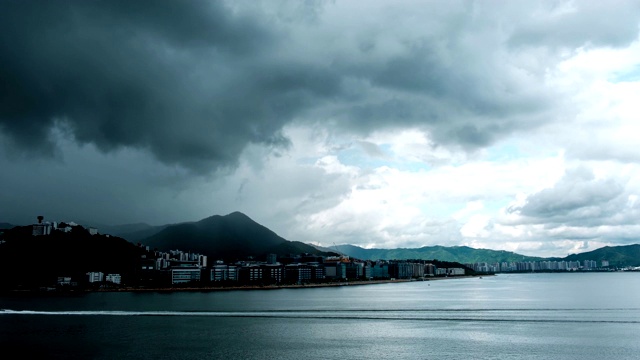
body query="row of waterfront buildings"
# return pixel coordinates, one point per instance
(533, 266)
(177, 267)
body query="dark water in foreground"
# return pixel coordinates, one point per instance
(526, 316)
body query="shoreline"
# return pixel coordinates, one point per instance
(235, 288)
(290, 286)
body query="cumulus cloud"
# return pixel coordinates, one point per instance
(582, 207)
(577, 197)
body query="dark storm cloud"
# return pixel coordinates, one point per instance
(177, 78)
(195, 82)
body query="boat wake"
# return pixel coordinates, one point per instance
(629, 316)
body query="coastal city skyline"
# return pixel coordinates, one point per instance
(66, 258)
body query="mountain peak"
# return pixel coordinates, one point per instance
(233, 217)
(234, 235)
(237, 214)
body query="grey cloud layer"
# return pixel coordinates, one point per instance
(195, 82)
(587, 23)
(580, 206)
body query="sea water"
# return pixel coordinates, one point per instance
(515, 316)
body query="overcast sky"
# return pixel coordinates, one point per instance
(508, 125)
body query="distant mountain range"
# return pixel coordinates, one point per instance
(628, 255)
(461, 254)
(236, 236)
(133, 232)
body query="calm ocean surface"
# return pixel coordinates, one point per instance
(517, 316)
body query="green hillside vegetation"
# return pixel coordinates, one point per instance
(30, 262)
(618, 256)
(461, 254)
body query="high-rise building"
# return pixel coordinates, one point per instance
(95, 277)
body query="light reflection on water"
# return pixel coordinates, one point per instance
(568, 316)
